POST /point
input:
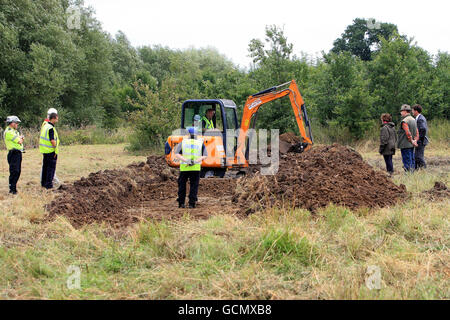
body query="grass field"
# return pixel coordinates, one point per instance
(277, 254)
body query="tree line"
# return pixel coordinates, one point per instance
(94, 78)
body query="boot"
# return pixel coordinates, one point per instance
(181, 205)
(191, 205)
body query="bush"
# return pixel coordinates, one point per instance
(157, 116)
(74, 137)
(94, 135)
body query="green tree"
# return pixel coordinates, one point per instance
(157, 115)
(437, 102)
(35, 54)
(125, 59)
(400, 73)
(157, 61)
(362, 38)
(342, 97)
(273, 65)
(44, 63)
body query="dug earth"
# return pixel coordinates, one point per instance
(148, 190)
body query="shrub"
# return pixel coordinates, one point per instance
(157, 115)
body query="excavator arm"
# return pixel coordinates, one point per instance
(255, 101)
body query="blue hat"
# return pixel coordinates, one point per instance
(197, 117)
(192, 130)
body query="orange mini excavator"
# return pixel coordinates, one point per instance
(230, 151)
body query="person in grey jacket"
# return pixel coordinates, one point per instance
(388, 140)
(422, 126)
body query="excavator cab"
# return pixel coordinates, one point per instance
(225, 116)
(215, 140)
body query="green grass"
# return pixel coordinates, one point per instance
(275, 254)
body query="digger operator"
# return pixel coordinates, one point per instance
(14, 144)
(207, 119)
(191, 152)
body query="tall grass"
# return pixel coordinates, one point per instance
(439, 131)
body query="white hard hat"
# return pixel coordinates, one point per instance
(52, 110)
(11, 119)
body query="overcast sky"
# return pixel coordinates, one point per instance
(229, 25)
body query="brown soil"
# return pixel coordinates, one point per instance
(148, 190)
(316, 178)
(139, 191)
(439, 191)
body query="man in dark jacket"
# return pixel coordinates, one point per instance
(423, 138)
(407, 138)
(388, 139)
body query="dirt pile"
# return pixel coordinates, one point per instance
(103, 195)
(125, 196)
(148, 190)
(439, 191)
(313, 179)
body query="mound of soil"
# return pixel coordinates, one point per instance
(125, 196)
(439, 191)
(103, 195)
(314, 179)
(148, 190)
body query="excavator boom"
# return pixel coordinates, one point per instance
(255, 101)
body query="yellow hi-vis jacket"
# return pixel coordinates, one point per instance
(45, 146)
(209, 123)
(12, 138)
(191, 150)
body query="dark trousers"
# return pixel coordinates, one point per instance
(389, 164)
(419, 155)
(15, 168)
(408, 159)
(194, 179)
(48, 169)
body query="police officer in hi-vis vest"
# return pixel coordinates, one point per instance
(49, 112)
(191, 152)
(49, 147)
(14, 144)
